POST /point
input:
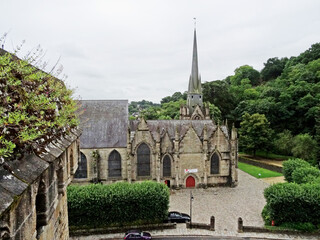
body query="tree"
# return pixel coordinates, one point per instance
(174, 98)
(283, 144)
(218, 93)
(273, 68)
(255, 133)
(305, 147)
(243, 72)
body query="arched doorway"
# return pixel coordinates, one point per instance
(190, 182)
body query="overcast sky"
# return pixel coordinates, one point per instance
(142, 49)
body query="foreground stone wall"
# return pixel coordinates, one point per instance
(33, 203)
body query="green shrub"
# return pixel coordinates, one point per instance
(292, 164)
(305, 175)
(305, 226)
(291, 202)
(283, 143)
(119, 203)
(305, 147)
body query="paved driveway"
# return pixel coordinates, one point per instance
(225, 204)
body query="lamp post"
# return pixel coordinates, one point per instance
(191, 199)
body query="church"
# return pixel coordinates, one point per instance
(192, 152)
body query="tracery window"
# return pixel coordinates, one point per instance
(143, 160)
(214, 165)
(166, 166)
(114, 164)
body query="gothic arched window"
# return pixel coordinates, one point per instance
(143, 161)
(167, 166)
(82, 167)
(114, 164)
(214, 166)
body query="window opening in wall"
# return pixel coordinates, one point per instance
(114, 164)
(82, 167)
(214, 166)
(41, 207)
(166, 166)
(143, 160)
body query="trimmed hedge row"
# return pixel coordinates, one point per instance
(296, 203)
(291, 165)
(292, 202)
(119, 203)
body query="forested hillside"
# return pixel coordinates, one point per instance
(286, 92)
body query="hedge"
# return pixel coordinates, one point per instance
(305, 175)
(292, 202)
(119, 203)
(292, 164)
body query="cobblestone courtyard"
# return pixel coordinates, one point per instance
(225, 204)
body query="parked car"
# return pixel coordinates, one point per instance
(137, 234)
(178, 217)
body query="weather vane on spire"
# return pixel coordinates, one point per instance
(195, 22)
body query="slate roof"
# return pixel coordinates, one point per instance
(104, 123)
(182, 126)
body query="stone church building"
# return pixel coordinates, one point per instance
(193, 151)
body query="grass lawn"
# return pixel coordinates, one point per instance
(257, 171)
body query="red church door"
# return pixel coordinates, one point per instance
(190, 182)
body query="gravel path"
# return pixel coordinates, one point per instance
(225, 204)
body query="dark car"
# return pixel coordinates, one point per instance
(137, 234)
(178, 217)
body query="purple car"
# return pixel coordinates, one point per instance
(136, 234)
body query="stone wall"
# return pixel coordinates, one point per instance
(33, 203)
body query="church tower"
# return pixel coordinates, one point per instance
(194, 90)
(195, 109)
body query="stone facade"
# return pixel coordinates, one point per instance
(190, 145)
(33, 203)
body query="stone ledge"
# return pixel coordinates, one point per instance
(278, 231)
(199, 226)
(123, 229)
(257, 163)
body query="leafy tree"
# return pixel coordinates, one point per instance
(307, 56)
(175, 97)
(305, 147)
(244, 72)
(255, 133)
(283, 144)
(218, 93)
(317, 135)
(273, 68)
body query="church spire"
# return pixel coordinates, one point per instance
(195, 80)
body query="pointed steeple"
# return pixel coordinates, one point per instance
(195, 79)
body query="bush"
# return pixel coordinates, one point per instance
(292, 164)
(305, 175)
(119, 203)
(305, 147)
(283, 144)
(305, 227)
(291, 202)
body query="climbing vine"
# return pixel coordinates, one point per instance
(35, 108)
